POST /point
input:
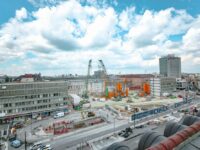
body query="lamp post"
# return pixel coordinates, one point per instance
(114, 125)
(31, 121)
(0, 141)
(134, 120)
(25, 146)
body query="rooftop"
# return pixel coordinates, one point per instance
(136, 76)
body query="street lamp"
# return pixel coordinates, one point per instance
(114, 125)
(31, 121)
(25, 146)
(134, 120)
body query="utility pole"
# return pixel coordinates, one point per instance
(134, 119)
(31, 121)
(25, 141)
(0, 141)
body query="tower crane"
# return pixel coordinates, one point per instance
(85, 94)
(103, 67)
(104, 74)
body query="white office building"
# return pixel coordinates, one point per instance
(23, 99)
(161, 86)
(78, 86)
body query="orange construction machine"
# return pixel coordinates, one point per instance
(145, 89)
(117, 91)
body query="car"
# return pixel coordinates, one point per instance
(140, 126)
(47, 148)
(129, 130)
(126, 134)
(16, 143)
(41, 146)
(121, 132)
(37, 146)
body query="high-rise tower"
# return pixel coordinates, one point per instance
(170, 66)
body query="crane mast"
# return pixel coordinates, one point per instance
(104, 76)
(103, 67)
(85, 94)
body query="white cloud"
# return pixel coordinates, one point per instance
(126, 18)
(99, 33)
(65, 35)
(191, 40)
(155, 27)
(21, 14)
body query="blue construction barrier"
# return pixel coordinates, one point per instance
(143, 114)
(149, 112)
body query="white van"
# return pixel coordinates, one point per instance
(59, 115)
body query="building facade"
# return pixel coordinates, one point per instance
(181, 84)
(2, 79)
(20, 99)
(162, 85)
(78, 86)
(170, 66)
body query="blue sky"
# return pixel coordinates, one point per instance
(59, 37)
(8, 7)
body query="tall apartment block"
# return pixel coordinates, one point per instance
(24, 99)
(170, 66)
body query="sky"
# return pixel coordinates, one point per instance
(55, 37)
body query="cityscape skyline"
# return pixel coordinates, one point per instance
(99, 74)
(130, 37)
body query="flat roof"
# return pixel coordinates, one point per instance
(36, 82)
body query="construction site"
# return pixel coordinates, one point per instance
(125, 94)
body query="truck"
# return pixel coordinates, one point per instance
(59, 115)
